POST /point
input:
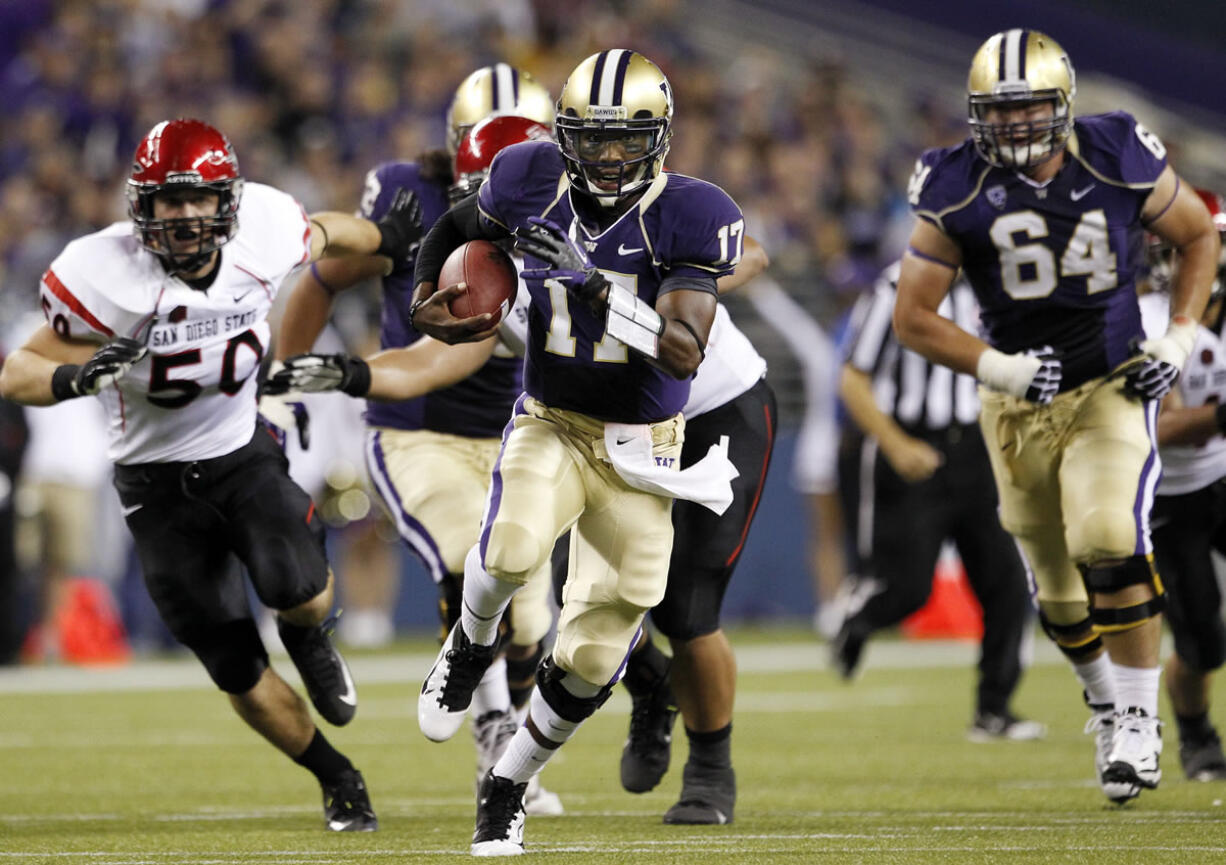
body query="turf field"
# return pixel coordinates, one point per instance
(147, 765)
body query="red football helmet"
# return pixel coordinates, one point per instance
(177, 154)
(1161, 254)
(482, 143)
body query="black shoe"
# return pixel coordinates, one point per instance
(648, 748)
(347, 804)
(322, 668)
(1203, 760)
(708, 798)
(448, 689)
(993, 726)
(500, 817)
(847, 648)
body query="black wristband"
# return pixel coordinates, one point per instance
(1219, 417)
(64, 382)
(413, 307)
(357, 377)
(702, 349)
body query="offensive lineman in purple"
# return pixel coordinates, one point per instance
(1113, 168)
(476, 407)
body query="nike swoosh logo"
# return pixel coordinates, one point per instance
(350, 697)
(1078, 194)
(621, 250)
(622, 441)
(132, 510)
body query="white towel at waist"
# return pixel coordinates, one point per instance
(708, 482)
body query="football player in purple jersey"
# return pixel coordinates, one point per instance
(456, 429)
(1046, 215)
(622, 262)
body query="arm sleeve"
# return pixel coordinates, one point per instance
(458, 225)
(688, 283)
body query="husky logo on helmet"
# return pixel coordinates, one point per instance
(492, 91)
(483, 142)
(616, 100)
(173, 155)
(1014, 77)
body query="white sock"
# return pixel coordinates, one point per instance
(1137, 687)
(1097, 679)
(524, 756)
(492, 694)
(485, 600)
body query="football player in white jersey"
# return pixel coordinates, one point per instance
(163, 318)
(1189, 516)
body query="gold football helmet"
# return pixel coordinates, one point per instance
(614, 122)
(494, 90)
(1014, 77)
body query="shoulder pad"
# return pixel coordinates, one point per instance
(945, 179)
(1118, 149)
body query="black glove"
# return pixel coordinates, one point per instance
(1153, 377)
(400, 228)
(1046, 382)
(569, 261)
(109, 364)
(315, 373)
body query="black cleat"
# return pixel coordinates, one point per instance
(323, 670)
(708, 798)
(500, 817)
(1203, 760)
(847, 648)
(648, 748)
(347, 804)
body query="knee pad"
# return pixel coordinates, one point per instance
(450, 599)
(232, 653)
(567, 706)
(1077, 641)
(512, 551)
(1112, 578)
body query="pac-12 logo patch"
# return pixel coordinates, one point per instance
(996, 196)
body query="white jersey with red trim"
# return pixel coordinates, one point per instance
(194, 395)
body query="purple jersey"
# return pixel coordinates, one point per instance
(477, 407)
(681, 227)
(1054, 264)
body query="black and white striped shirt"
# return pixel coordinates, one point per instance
(918, 394)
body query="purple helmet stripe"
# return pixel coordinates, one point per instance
(593, 97)
(619, 79)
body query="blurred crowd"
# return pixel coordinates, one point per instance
(313, 92)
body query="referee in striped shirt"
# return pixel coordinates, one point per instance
(924, 478)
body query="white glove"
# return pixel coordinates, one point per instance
(1154, 377)
(1033, 375)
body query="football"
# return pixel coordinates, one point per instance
(489, 274)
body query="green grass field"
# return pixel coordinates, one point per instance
(147, 765)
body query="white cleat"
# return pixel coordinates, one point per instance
(448, 690)
(1135, 749)
(539, 802)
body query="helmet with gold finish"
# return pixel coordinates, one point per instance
(492, 91)
(613, 122)
(1020, 98)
